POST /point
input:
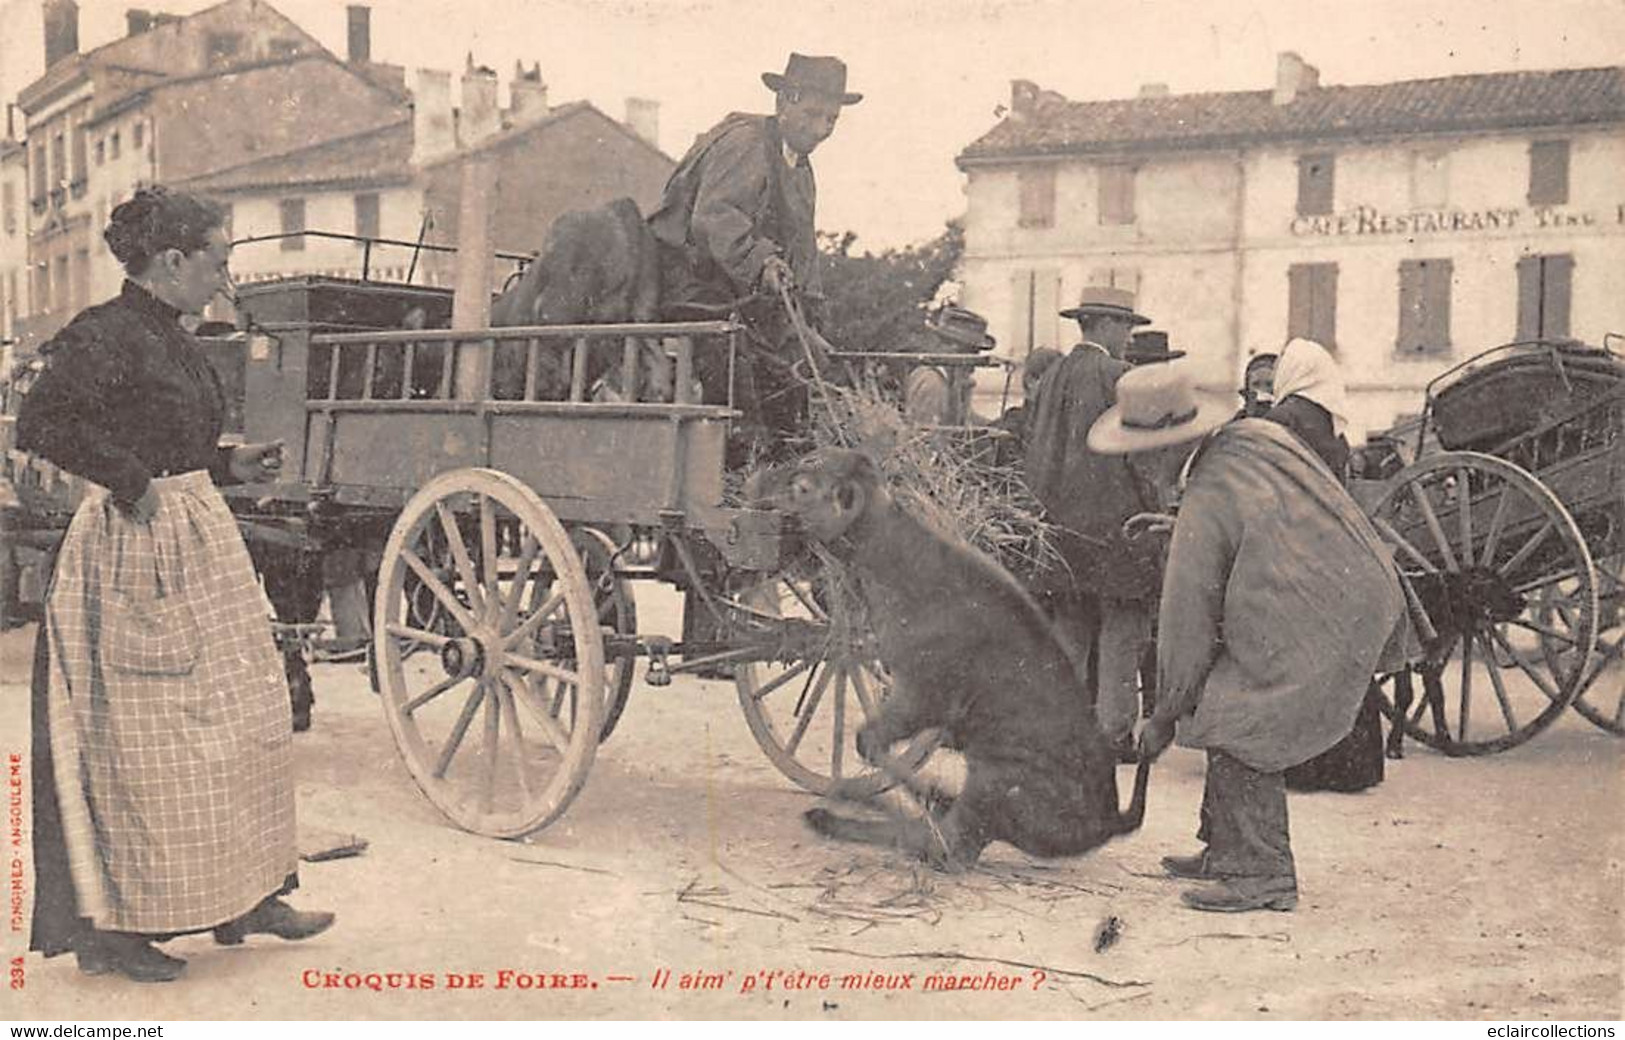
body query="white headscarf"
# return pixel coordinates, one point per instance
(1306, 368)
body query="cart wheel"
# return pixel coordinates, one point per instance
(1481, 545)
(617, 614)
(800, 706)
(1601, 698)
(521, 640)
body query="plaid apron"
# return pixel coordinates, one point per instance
(168, 716)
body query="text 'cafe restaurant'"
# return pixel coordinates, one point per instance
(1408, 226)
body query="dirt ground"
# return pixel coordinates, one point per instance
(1483, 888)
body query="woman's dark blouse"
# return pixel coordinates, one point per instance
(1313, 425)
(126, 395)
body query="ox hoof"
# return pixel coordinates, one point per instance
(823, 821)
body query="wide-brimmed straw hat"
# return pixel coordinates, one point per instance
(1149, 346)
(1156, 406)
(816, 74)
(964, 327)
(1108, 301)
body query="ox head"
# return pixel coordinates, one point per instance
(831, 490)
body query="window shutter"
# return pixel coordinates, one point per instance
(1557, 276)
(1116, 195)
(293, 221)
(1410, 305)
(1315, 184)
(1435, 325)
(1324, 322)
(1548, 173)
(1299, 301)
(1037, 187)
(1528, 298)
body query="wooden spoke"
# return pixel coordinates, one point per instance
(1464, 513)
(1398, 540)
(552, 671)
(1500, 689)
(838, 742)
(1429, 517)
(528, 627)
(520, 582)
(437, 588)
(406, 633)
(459, 554)
(807, 712)
(1466, 702)
(510, 715)
(1550, 633)
(779, 680)
(432, 692)
(1492, 541)
(493, 749)
(1518, 659)
(455, 741)
(488, 546)
(865, 700)
(806, 599)
(526, 695)
(1528, 549)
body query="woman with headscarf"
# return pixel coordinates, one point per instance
(1310, 400)
(163, 764)
(1278, 601)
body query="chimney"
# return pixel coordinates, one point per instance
(432, 133)
(1148, 90)
(1293, 76)
(137, 21)
(527, 94)
(61, 30)
(643, 118)
(360, 33)
(1023, 98)
(480, 115)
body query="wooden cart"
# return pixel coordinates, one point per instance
(1509, 530)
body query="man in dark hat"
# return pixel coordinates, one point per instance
(1114, 582)
(736, 220)
(932, 396)
(1149, 346)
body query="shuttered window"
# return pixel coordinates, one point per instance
(81, 157)
(8, 208)
(1544, 287)
(1117, 195)
(1315, 184)
(1548, 173)
(1037, 186)
(1035, 320)
(293, 221)
(1424, 307)
(1312, 303)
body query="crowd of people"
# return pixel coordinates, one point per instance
(163, 785)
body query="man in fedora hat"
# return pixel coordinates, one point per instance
(1278, 604)
(736, 220)
(1149, 346)
(1107, 605)
(932, 396)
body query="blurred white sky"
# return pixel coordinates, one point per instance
(933, 72)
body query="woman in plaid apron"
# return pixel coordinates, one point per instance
(163, 782)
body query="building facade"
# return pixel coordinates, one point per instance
(1407, 226)
(172, 99)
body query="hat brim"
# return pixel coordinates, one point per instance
(1108, 436)
(776, 83)
(1132, 317)
(982, 342)
(1147, 359)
